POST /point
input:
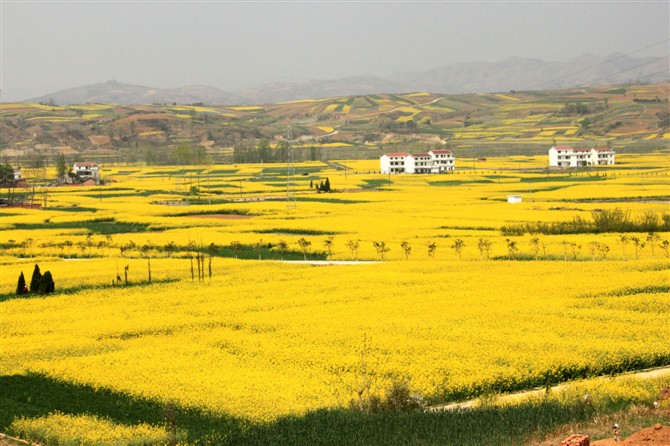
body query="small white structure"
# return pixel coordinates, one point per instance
(87, 169)
(514, 198)
(435, 161)
(568, 156)
(17, 174)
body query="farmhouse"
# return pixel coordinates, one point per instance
(567, 156)
(87, 170)
(435, 161)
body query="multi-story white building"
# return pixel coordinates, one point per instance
(87, 169)
(435, 161)
(568, 156)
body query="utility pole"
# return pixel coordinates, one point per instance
(290, 173)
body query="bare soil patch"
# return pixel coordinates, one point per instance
(657, 435)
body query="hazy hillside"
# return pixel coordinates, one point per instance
(113, 92)
(515, 73)
(628, 117)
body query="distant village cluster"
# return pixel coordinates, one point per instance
(442, 161)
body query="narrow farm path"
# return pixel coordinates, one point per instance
(511, 397)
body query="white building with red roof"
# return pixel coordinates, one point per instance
(434, 161)
(568, 156)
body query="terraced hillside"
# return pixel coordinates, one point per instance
(631, 117)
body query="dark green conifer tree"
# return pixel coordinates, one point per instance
(35, 280)
(47, 284)
(20, 286)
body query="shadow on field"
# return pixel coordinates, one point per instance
(35, 395)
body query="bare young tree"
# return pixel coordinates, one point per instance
(381, 249)
(535, 243)
(484, 247)
(512, 249)
(458, 247)
(432, 247)
(639, 245)
(406, 248)
(353, 247)
(304, 246)
(624, 240)
(328, 243)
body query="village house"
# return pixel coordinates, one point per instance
(568, 156)
(87, 170)
(435, 161)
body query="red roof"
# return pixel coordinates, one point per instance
(417, 155)
(86, 164)
(582, 149)
(442, 152)
(563, 147)
(397, 154)
(603, 149)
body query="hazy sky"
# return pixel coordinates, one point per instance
(50, 46)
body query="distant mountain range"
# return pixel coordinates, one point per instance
(515, 73)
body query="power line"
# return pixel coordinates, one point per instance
(603, 63)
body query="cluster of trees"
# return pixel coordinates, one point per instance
(323, 186)
(580, 108)
(39, 283)
(246, 152)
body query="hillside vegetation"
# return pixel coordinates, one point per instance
(630, 117)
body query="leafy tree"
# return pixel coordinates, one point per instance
(21, 285)
(458, 246)
(282, 247)
(35, 280)
(264, 150)
(61, 166)
(304, 246)
(46, 285)
(6, 173)
(236, 247)
(406, 248)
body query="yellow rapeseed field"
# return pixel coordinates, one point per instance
(261, 339)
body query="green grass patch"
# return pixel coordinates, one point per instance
(73, 209)
(374, 183)
(569, 178)
(293, 231)
(96, 226)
